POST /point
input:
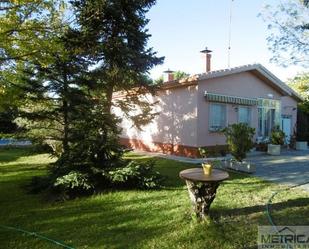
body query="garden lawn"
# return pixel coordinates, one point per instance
(139, 219)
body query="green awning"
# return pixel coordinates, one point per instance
(214, 97)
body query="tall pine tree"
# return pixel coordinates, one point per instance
(67, 86)
(116, 39)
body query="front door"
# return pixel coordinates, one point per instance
(286, 128)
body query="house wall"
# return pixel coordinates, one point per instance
(243, 85)
(173, 130)
(183, 124)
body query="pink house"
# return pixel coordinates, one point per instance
(192, 111)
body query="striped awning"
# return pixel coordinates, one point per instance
(214, 97)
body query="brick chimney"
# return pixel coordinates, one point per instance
(207, 52)
(168, 75)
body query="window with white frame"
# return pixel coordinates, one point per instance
(268, 116)
(244, 114)
(217, 117)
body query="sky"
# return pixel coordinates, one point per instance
(182, 28)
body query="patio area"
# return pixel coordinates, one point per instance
(291, 167)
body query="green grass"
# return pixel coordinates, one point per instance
(139, 219)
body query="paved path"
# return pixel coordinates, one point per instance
(291, 167)
(172, 157)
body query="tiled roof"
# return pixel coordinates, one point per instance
(261, 70)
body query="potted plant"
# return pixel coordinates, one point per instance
(261, 144)
(207, 168)
(299, 141)
(204, 152)
(276, 140)
(239, 139)
(301, 145)
(209, 163)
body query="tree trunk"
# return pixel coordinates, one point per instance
(202, 195)
(65, 107)
(109, 97)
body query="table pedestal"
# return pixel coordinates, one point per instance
(202, 195)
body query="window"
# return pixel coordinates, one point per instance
(268, 115)
(244, 115)
(217, 117)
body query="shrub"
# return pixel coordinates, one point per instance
(239, 138)
(69, 185)
(277, 136)
(135, 174)
(73, 181)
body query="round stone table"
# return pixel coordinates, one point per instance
(202, 188)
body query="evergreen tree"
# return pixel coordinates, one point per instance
(65, 89)
(7, 116)
(116, 39)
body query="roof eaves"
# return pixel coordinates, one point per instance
(224, 72)
(250, 67)
(179, 83)
(289, 91)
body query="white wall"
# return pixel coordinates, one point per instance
(176, 122)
